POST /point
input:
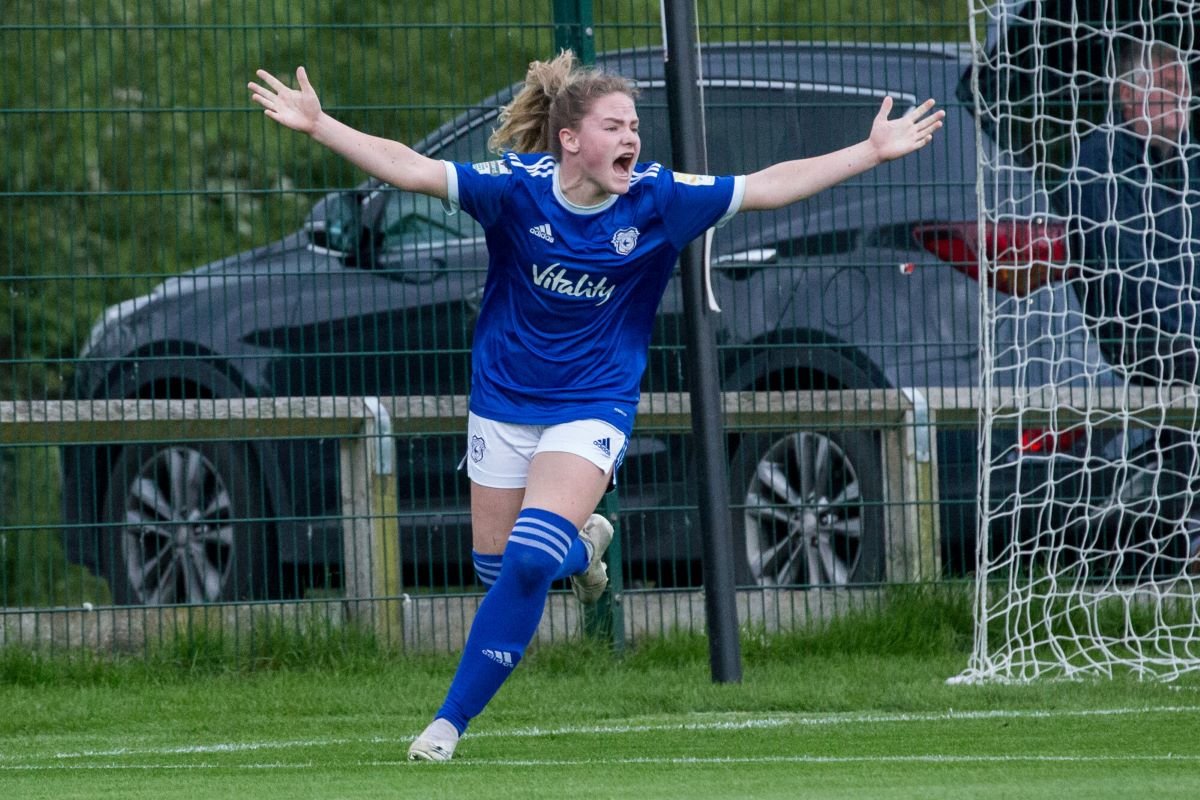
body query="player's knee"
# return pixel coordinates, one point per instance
(528, 567)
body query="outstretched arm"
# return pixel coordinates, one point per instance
(390, 161)
(789, 181)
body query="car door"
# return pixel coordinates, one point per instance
(396, 320)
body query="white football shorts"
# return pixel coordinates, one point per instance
(498, 453)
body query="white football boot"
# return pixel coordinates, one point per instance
(588, 585)
(436, 742)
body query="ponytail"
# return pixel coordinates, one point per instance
(557, 94)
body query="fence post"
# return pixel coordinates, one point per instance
(573, 29)
(921, 450)
(913, 541)
(370, 528)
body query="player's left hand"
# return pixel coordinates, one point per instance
(913, 130)
(292, 108)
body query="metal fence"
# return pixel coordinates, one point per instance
(206, 319)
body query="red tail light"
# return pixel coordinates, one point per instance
(1044, 440)
(1021, 254)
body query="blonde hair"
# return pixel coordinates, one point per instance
(557, 94)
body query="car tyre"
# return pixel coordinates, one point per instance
(808, 508)
(183, 523)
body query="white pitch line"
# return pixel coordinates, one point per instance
(932, 758)
(789, 720)
(727, 723)
(220, 747)
(176, 767)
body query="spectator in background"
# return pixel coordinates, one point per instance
(1134, 199)
(1134, 194)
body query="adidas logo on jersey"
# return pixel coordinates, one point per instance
(501, 657)
(604, 446)
(543, 232)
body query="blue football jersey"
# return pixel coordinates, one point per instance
(571, 292)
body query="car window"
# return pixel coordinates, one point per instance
(752, 127)
(411, 220)
(749, 127)
(833, 120)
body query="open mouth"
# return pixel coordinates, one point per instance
(623, 166)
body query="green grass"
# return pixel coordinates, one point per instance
(830, 725)
(860, 709)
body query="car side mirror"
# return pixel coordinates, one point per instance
(335, 224)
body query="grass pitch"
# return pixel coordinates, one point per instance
(837, 715)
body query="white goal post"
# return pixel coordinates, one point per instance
(1089, 515)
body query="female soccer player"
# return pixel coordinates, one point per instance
(582, 240)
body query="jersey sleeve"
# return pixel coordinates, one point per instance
(691, 204)
(478, 189)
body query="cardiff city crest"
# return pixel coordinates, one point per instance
(625, 240)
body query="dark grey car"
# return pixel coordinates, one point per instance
(872, 284)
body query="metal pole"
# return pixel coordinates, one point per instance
(687, 144)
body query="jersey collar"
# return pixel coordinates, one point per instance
(574, 207)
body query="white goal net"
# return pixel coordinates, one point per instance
(1090, 516)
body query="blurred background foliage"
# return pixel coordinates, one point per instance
(132, 152)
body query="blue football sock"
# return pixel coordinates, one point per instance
(576, 561)
(509, 614)
(487, 567)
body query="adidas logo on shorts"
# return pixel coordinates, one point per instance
(604, 445)
(543, 232)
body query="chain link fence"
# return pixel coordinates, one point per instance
(209, 324)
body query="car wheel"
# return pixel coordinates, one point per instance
(808, 506)
(182, 523)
